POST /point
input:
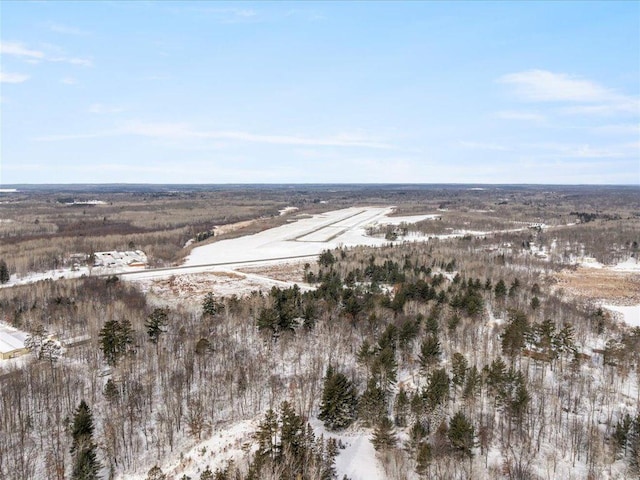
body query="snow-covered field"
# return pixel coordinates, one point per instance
(306, 236)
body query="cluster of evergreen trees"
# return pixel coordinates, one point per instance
(4, 272)
(116, 338)
(626, 439)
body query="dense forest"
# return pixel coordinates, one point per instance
(456, 360)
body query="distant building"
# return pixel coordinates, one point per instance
(114, 258)
(11, 342)
(537, 226)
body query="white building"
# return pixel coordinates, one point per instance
(11, 342)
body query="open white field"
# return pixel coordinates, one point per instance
(306, 236)
(216, 267)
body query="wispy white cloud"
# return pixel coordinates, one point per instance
(484, 146)
(524, 116)
(179, 130)
(183, 131)
(66, 29)
(587, 96)
(225, 15)
(616, 106)
(83, 62)
(69, 81)
(545, 86)
(19, 50)
(78, 136)
(618, 129)
(102, 109)
(13, 77)
(583, 150)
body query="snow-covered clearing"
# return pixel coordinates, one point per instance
(306, 236)
(630, 265)
(225, 267)
(629, 314)
(357, 460)
(302, 239)
(223, 445)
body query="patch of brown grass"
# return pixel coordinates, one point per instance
(285, 272)
(603, 284)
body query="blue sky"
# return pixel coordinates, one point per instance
(212, 92)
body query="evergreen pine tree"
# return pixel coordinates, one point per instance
(459, 368)
(514, 336)
(372, 404)
(292, 434)
(496, 373)
(207, 474)
(621, 434)
(424, 456)
(500, 290)
(384, 368)
(125, 336)
(417, 435)
(209, 305)
(4, 272)
(461, 434)
(267, 437)
(401, 408)
(111, 391)
(518, 395)
(155, 324)
(339, 401)
(115, 338)
(535, 303)
(384, 435)
(85, 465)
(472, 384)
(437, 390)
(430, 352)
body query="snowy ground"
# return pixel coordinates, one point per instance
(62, 273)
(629, 314)
(358, 459)
(631, 265)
